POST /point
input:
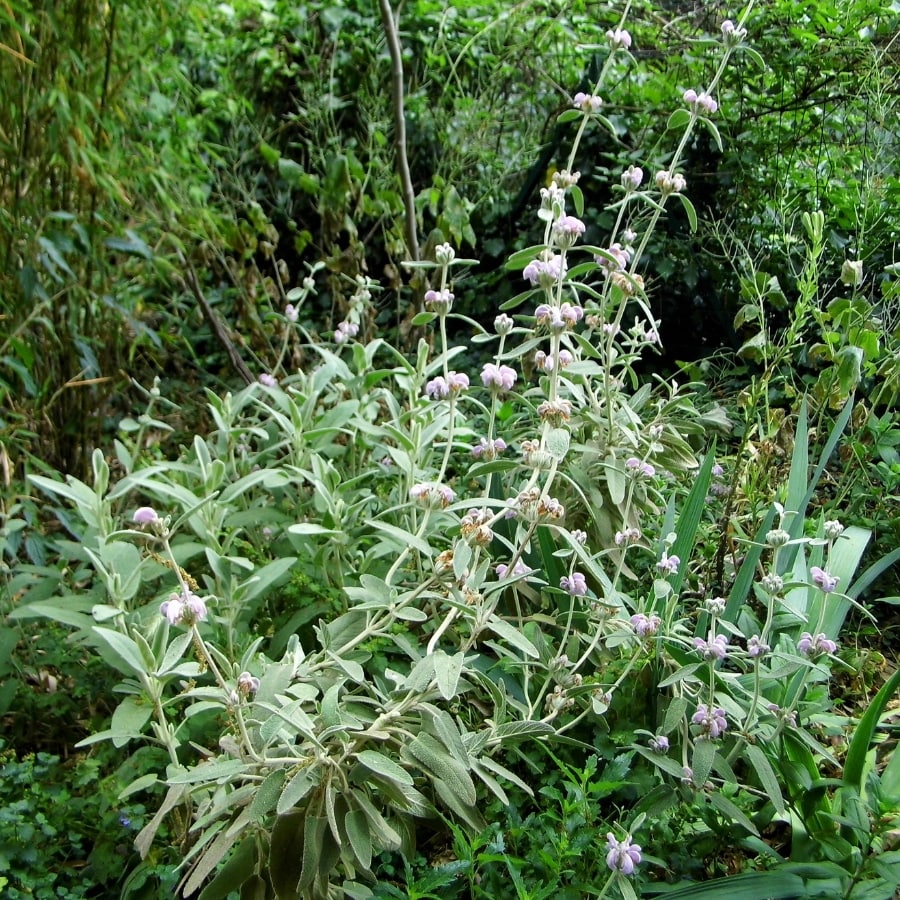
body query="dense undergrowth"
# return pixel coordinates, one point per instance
(449, 452)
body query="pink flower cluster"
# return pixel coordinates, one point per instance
(623, 855)
(440, 388)
(589, 103)
(702, 102)
(712, 722)
(498, 378)
(185, 608)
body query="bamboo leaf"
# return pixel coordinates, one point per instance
(855, 762)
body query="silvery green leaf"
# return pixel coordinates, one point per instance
(675, 714)
(702, 761)
(121, 652)
(462, 556)
(297, 788)
(441, 724)
(616, 479)
(410, 614)
(384, 835)
(236, 871)
(447, 670)
(502, 772)
(512, 636)
(420, 675)
(213, 770)
(267, 795)
(463, 810)
(145, 838)
(213, 855)
(263, 579)
(558, 440)
(400, 539)
(432, 757)
(357, 827)
(140, 784)
(509, 732)
(766, 774)
(174, 653)
(492, 784)
(728, 809)
(128, 720)
(384, 766)
(329, 709)
(286, 854)
(680, 674)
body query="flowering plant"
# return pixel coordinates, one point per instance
(513, 554)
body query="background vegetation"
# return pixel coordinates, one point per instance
(172, 175)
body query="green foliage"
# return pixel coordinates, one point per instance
(63, 832)
(368, 604)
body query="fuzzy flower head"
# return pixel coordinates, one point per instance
(712, 722)
(619, 39)
(629, 536)
(488, 449)
(660, 743)
(247, 683)
(576, 585)
(440, 388)
(623, 855)
(756, 648)
(636, 465)
(669, 183)
(345, 331)
(716, 605)
(645, 625)
(716, 648)
(439, 301)
(589, 103)
(498, 378)
(558, 319)
(556, 412)
(437, 388)
(519, 568)
(567, 230)
(503, 324)
(617, 261)
(668, 565)
(632, 178)
(268, 380)
(701, 103)
(852, 272)
(432, 495)
(545, 271)
(145, 515)
(291, 313)
(185, 608)
(822, 579)
(732, 34)
(474, 528)
(833, 529)
(815, 646)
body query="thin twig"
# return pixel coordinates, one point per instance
(210, 316)
(409, 197)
